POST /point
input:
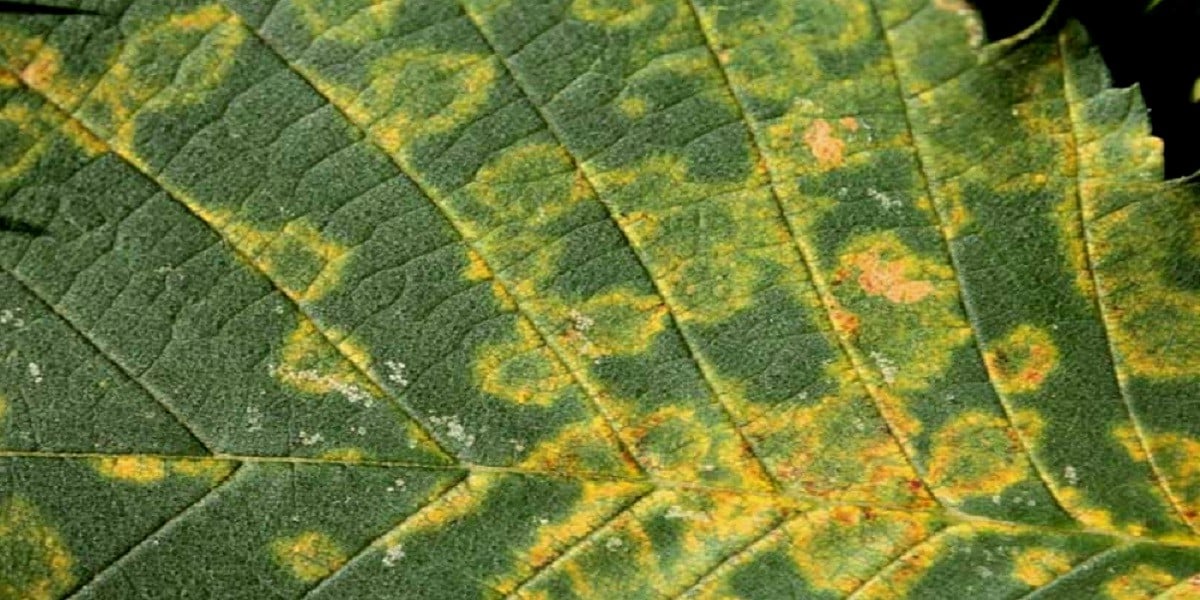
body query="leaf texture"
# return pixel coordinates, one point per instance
(587, 299)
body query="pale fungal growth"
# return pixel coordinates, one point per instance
(1071, 475)
(35, 373)
(581, 322)
(309, 439)
(887, 367)
(396, 373)
(8, 316)
(886, 201)
(254, 418)
(353, 393)
(454, 429)
(397, 485)
(678, 512)
(393, 555)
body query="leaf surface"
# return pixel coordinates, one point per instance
(588, 299)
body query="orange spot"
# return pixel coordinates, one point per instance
(850, 123)
(824, 146)
(845, 321)
(886, 278)
(44, 68)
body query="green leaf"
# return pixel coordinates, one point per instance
(592, 299)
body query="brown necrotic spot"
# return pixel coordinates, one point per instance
(1022, 360)
(975, 454)
(824, 144)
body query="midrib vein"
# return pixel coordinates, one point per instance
(791, 502)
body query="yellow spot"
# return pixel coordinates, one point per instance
(457, 503)
(36, 128)
(707, 525)
(42, 71)
(310, 556)
(43, 570)
(896, 300)
(824, 145)
(1142, 583)
(705, 278)
(675, 443)
(399, 114)
(1188, 589)
(344, 455)
(132, 468)
(1175, 458)
(575, 447)
(122, 92)
(898, 580)
(597, 502)
(1096, 518)
(312, 365)
(202, 468)
(838, 549)
(633, 107)
(1071, 241)
(954, 6)
(205, 17)
(620, 322)
(975, 454)
(845, 321)
(1021, 361)
(303, 261)
(958, 216)
(522, 370)
(477, 269)
(612, 12)
(834, 451)
(1038, 566)
(1129, 439)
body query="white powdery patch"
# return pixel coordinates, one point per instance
(254, 418)
(1071, 475)
(353, 393)
(581, 322)
(886, 367)
(35, 373)
(309, 439)
(677, 512)
(454, 429)
(393, 555)
(398, 485)
(9, 316)
(396, 373)
(883, 199)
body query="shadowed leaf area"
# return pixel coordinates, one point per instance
(596, 299)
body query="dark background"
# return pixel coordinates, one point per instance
(1158, 49)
